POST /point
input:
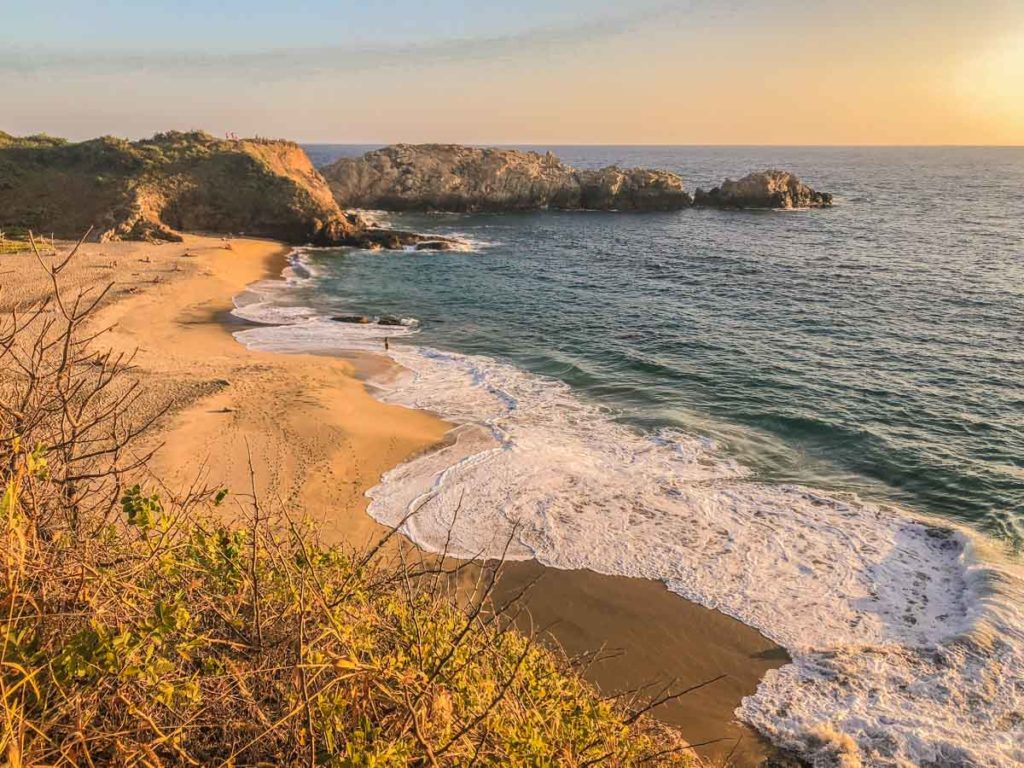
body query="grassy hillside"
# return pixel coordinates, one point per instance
(175, 181)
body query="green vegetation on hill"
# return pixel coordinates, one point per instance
(37, 140)
(155, 188)
(142, 628)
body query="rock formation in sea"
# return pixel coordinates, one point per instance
(176, 182)
(765, 189)
(448, 177)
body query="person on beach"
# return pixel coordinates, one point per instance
(387, 346)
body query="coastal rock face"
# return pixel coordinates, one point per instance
(634, 189)
(765, 189)
(155, 188)
(448, 177)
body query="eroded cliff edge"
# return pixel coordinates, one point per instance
(154, 188)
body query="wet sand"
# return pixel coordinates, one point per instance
(659, 638)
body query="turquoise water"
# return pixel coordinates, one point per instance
(877, 347)
(812, 421)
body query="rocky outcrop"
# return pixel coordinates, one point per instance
(766, 189)
(447, 177)
(634, 189)
(386, 320)
(176, 182)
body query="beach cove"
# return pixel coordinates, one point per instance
(794, 416)
(319, 455)
(784, 415)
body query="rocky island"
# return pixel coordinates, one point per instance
(450, 177)
(176, 182)
(767, 189)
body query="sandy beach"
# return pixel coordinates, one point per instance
(318, 441)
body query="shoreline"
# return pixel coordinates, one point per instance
(665, 638)
(320, 440)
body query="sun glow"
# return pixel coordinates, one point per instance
(992, 82)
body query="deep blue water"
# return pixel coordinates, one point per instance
(877, 347)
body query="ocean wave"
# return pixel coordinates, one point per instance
(902, 638)
(266, 302)
(459, 246)
(470, 244)
(375, 218)
(282, 327)
(906, 635)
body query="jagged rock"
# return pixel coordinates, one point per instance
(358, 319)
(390, 320)
(448, 177)
(765, 189)
(156, 188)
(634, 189)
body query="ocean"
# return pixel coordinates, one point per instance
(810, 420)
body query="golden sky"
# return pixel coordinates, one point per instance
(556, 72)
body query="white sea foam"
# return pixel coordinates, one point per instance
(322, 335)
(375, 218)
(282, 327)
(907, 645)
(461, 244)
(469, 244)
(266, 302)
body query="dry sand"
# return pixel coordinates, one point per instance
(319, 441)
(316, 437)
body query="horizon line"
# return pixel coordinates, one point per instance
(558, 144)
(656, 145)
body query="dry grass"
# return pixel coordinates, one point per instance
(137, 628)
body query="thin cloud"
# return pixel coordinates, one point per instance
(286, 63)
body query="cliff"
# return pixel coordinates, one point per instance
(154, 188)
(447, 177)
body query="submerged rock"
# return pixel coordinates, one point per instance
(390, 320)
(437, 245)
(450, 177)
(358, 319)
(765, 189)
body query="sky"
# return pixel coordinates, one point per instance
(542, 72)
